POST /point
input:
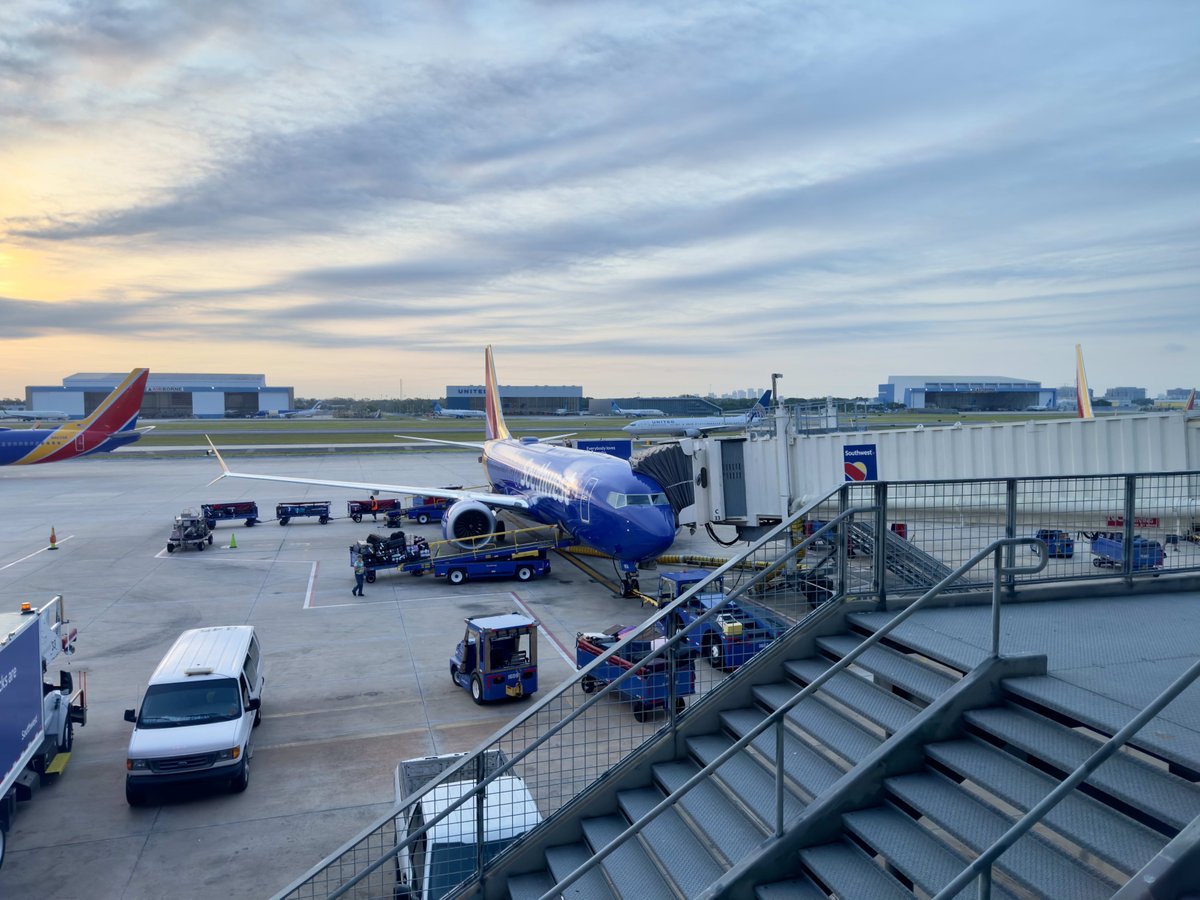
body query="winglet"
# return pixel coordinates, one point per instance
(1083, 400)
(220, 459)
(496, 429)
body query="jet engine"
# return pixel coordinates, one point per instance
(469, 524)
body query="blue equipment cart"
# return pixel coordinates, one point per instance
(301, 509)
(730, 638)
(648, 690)
(1108, 549)
(238, 509)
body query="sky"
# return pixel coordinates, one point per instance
(640, 198)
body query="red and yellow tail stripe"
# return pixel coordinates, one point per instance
(115, 412)
(496, 429)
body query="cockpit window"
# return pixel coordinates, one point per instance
(618, 500)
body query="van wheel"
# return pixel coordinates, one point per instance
(134, 796)
(68, 738)
(242, 781)
(454, 676)
(456, 576)
(477, 689)
(257, 717)
(524, 573)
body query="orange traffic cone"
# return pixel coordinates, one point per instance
(233, 542)
(53, 539)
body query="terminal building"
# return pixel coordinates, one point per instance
(982, 393)
(520, 400)
(168, 395)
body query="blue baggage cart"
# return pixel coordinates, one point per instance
(302, 509)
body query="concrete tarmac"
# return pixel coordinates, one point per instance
(352, 685)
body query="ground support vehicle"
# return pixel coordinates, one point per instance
(394, 552)
(497, 658)
(37, 717)
(424, 510)
(728, 639)
(514, 562)
(430, 867)
(1108, 549)
(302, 509)
(1059, 544)
(190, 530)
(356, 509)
(238, 509)
(649, 688)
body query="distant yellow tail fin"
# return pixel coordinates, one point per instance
(1083, 400)
(496, 429)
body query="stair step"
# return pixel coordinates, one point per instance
(565, 859)
(825, 725)
(945, 648)
(805, 766)
(1113, 837)
(916, 678)
(1157, 793)
(532, 885)
(875, 704)
(745, 778)
(849, 872)
(911, 850)
(684, 857)
(629, 867)
(725, 824)
(1160, 736)
(1031, 861)
(792, 889)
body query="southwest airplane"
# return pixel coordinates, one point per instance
(695, 427)
(598, 499)
(439, 410)
(113, 424)
(617, 411)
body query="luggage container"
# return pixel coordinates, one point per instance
(238, 509)
(301, 509)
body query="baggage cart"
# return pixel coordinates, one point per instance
(356, 509)
(648, 690)
(301, 509)
(238, 509)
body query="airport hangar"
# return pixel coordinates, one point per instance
(988, 393)
(169, 395)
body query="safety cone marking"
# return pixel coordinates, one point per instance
(53, 539)
(233, 542)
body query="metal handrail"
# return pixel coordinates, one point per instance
(663, 650)
(981, 868)
(776, 718)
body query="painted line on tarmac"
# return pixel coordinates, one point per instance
(553, 638)
(424, 599)
(33, 554)
(312, 583)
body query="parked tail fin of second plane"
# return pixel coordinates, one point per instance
(1083, 400)
(759, 409)
(496, 429)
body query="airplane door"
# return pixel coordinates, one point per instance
(79, 442)
(585, 501)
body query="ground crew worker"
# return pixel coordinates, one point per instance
(360, 574)
(374, 508)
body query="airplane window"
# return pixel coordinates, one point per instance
(660, 499)
(616, 501)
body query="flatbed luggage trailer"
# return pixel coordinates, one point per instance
(356, 509)
(648, 690)
(238, 509)
(303, 509)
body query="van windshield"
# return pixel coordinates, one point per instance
(190, 703)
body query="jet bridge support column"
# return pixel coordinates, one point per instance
(783, 464)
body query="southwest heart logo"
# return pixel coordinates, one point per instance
(856, 471)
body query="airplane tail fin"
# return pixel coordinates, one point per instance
(1083, 400)
(760, 408)
(613, 408)
(437, 408)
(496, 429)
(1191, 401)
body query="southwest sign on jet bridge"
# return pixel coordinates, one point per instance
(598, 499)
(113, 424)
(859, 461)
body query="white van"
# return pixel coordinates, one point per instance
(198, 712)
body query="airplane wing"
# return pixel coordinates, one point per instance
(501, 501)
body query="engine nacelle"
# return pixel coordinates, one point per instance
(469, 524)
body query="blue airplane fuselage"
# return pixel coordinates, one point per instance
(597, 498)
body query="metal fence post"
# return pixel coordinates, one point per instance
(879, 566)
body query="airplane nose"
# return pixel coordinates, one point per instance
(657, 532)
